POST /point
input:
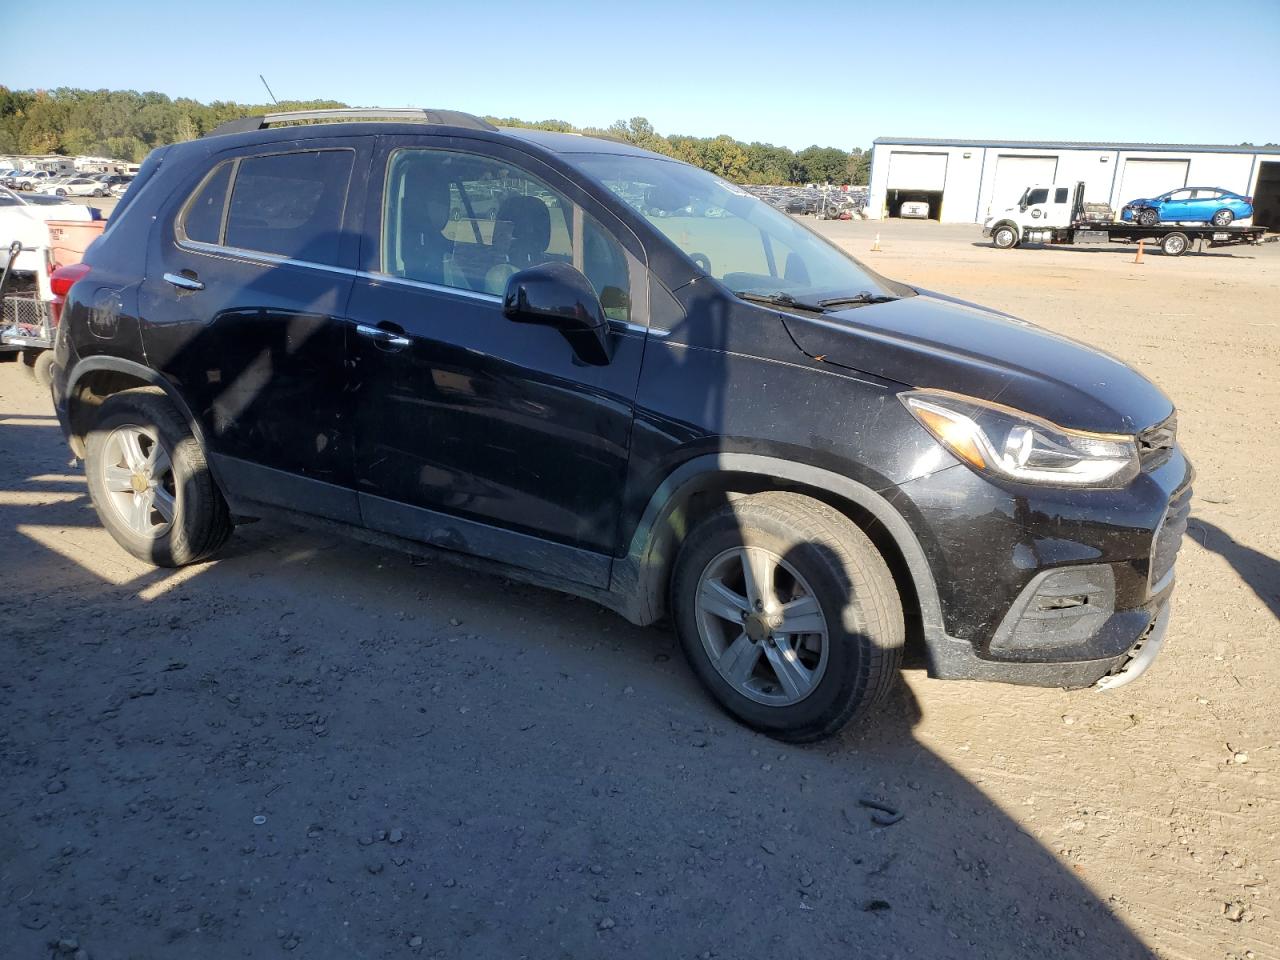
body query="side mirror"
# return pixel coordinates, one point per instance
(559, 296)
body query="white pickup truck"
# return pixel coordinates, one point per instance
(1056, 213)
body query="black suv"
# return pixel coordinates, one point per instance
(604, 371)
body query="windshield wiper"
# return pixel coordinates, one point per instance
(866, 296)
(779, 300)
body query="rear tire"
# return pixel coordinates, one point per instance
(1175, 244)
(199, 521)
(42, 368)
(1223, 218)
(817, 573)
(1147, 217)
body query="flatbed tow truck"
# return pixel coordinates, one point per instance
(1055, 214)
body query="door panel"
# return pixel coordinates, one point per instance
(482, 434)
(255, 340)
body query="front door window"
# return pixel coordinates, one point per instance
(470, 222)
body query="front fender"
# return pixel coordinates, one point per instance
(642, 574)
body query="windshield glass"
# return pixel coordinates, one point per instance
(731, 235)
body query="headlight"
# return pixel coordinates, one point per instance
(1018, 446)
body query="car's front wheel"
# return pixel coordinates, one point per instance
(1223, 218)
(788, 614)
(150, 483)
(1147, 217)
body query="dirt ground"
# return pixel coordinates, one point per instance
(316, 747)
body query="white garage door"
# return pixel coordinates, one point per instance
(1014, 174)
(1150, 178)
(917, 171)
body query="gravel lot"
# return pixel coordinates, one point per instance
(319, 748)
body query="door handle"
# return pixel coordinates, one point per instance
(183, 282)
(383, 338)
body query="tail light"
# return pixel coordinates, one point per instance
(60, 283)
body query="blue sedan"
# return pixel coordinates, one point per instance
(1190, 205)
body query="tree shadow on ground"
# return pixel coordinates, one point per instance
(1260, 571)
(450, 765)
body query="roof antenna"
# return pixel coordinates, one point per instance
(269, 93)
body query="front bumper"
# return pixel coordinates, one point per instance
(1050, 587)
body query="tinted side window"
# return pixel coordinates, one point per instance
(1038, 196)
(1060, 195)
(202, 220)
(290, 204)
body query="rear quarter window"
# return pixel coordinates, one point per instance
(202, 218)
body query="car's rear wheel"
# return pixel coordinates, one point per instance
(1223, 218)
(1004, 237)
(150, 483)
(60, 192)
(1175, 244)
(788, 615)
(1147, 217)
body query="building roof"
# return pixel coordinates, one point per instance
(1074, 145)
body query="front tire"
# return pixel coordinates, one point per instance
(788, 615)
(1147, 217)
(1223, 218)
(150, 482)
(1004, 238)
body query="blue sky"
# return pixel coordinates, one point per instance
(795, 72)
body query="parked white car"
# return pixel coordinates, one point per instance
(23, 219)
(75, 187)
(914, 210)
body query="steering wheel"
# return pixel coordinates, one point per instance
(702, 260)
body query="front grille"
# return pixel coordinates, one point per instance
(1164, 551)
(1155, 443)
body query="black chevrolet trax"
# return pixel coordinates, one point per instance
(611, 373)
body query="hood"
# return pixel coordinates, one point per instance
(935, 341)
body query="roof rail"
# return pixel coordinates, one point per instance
(450, 118)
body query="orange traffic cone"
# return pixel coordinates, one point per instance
(1138, 258)
(875, 247)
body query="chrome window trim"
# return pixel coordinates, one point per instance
(277, 260)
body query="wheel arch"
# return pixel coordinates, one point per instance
(706, 482)
(94, 379)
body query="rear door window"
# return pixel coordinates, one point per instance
(290, 204)
(1060, 195)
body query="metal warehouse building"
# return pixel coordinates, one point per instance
(964, 181)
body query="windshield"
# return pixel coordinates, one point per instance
(733, 236)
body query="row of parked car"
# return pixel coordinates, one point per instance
(813, 201)
(72, 185)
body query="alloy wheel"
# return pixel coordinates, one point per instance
(762, 627)
(137, 475)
